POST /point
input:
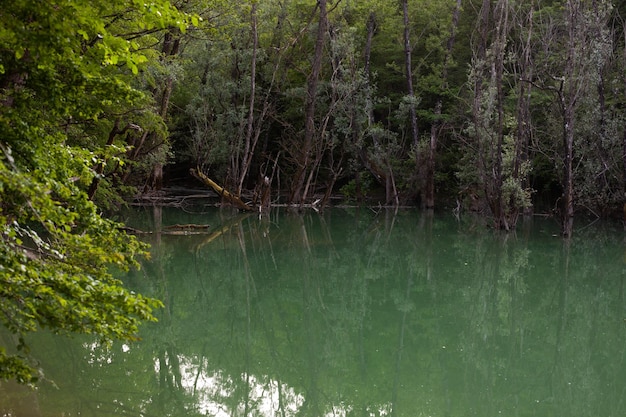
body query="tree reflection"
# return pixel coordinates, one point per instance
(361, 314)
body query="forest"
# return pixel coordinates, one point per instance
(497, 107)
(494, 107)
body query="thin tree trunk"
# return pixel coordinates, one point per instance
(379, 173)
(568, 94)
(93, 187)
(568, 171)
(624, 141)
(523, 105)
(502, 29)
(248, 145)
(408, 69)
(309, 105)
(478, 63)
(624, 175)
(171, 46)
(256, 123)
(371, 29)
(435, 128)
(356, 126)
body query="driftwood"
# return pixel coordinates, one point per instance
(175, 229)
(186, 226)
(231, 198)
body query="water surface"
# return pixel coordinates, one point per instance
(355, 313)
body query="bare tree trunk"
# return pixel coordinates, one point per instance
(255, 123)
(478, 59)
(93, 187)
(567, 102)
(488, 106)
(568, 94)
(568, 175)
(248, 145)
(523, 133)
(371, 29)
(408, 69)
(624, 140)
(357, 128)
(502, 29)
(171, 46)
(309, 106)
(378, 172)
(435, 128)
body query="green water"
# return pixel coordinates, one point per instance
(356, 313)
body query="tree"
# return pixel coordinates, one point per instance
(492, 170)
(437, 124)
(65, 67)
(570, 87)
(265, 90)
(408, 72)
(305, 167)
(597, 177)
(578, 35)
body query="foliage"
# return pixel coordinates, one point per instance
(67, 87)
(232, 81)
(508, 105)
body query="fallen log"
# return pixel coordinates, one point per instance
(175, 229)
(231, 198)
(186, 226)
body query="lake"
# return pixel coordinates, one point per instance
(354, 312)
